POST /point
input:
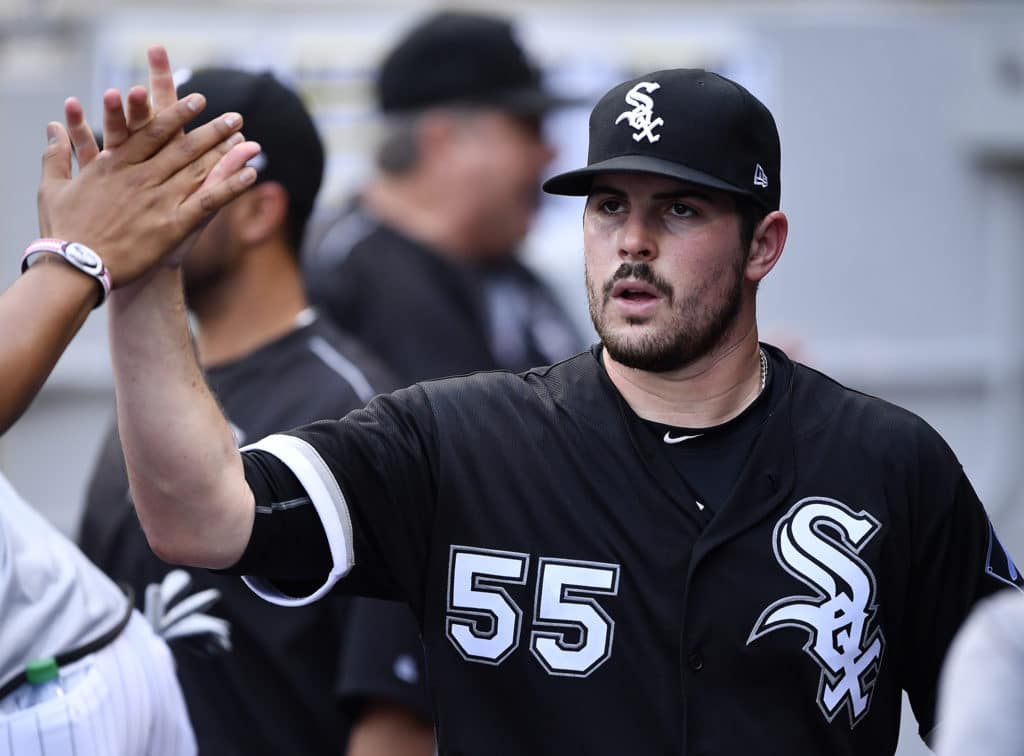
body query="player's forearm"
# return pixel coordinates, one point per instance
(39, 314)
(183, 464)
(386, 728)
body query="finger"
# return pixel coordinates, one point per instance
(233, 156)
(82, 139)
(161, 80)
(139, 110)
(232, 160)
(221, 162)
(115, 128)
(187, 149)
(146, 142)
(230, 178)
(57, 157)
(210, 199)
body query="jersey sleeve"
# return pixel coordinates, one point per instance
(957, 560)
(371, 478)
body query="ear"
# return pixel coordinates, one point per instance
(438, 131)
(261, 212)
(766, 245)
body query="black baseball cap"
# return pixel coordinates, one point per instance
(686, 124)
(274, 116)
(455, 58)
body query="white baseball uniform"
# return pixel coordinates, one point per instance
(982, 685)
(122, 699)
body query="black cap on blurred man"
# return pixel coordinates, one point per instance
(275, 117)
(453, 59)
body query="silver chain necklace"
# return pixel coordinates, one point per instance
(764, 369)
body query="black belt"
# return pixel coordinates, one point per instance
(82, 651)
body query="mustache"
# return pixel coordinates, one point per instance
(641, 272)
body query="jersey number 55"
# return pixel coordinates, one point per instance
(572, 633)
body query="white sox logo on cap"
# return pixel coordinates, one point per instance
(640, 117)
(686, 124)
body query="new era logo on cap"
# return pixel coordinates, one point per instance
(760, 177)
(687, 124)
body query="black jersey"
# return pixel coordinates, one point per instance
(274, 693)
(571, 600)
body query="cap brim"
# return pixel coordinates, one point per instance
(532, 101)
(577, 183)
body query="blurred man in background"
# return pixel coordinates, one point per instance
(423, 268)
(274, 691)
(423, 264)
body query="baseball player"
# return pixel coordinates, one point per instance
(262, 348)
(679, 541)
(80, 672)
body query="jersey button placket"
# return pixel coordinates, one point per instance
(696, 661)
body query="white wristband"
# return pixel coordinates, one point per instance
(77, 255)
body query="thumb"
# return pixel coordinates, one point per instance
(57, 157)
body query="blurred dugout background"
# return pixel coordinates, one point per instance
(903, 176)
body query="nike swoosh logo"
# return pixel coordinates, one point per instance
(670, 439)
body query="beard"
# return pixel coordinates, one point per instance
(201, 284)
(209, 264)
(697, 323)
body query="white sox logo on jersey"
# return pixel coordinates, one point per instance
(818, 542)
(640, 117)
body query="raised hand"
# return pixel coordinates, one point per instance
(122, 120)
(135, 201)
